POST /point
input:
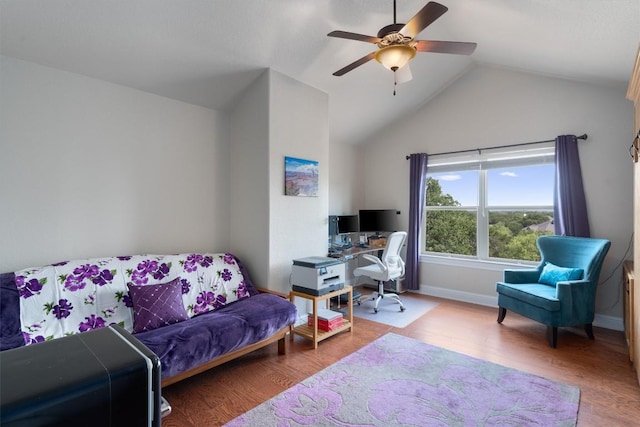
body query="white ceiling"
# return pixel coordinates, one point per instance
(206, 52)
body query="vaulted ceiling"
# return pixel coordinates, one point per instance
(206, 52)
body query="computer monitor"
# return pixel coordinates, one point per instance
(377, 220)
(343, 224)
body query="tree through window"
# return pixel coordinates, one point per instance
(491, 207)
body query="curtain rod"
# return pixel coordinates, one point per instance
(583, 137)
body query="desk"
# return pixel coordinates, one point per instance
(350, 259)
(355, 251)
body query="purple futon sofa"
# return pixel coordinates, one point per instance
(194, 311)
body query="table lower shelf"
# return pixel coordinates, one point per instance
(306, 331)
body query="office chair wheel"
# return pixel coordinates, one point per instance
(375, 310)
(402, 308)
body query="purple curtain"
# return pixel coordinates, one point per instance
(418, 179)
(569, 203)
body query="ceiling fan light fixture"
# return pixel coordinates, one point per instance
(395, 57)
(397, 43)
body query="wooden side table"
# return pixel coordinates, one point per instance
(312, 332)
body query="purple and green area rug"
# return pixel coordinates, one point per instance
(401, 381)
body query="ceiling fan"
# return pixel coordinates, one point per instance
(397, 44)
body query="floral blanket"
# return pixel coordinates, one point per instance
(76, 296)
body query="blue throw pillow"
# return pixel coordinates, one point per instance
(552, 274)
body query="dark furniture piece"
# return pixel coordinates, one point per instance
(104, 377)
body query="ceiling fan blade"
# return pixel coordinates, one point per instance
(423, 19)
(355, 64)
(458, 48)
(403, 75)
(354, 36)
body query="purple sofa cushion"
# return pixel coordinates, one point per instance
(158, 305)
(185, 345)
(10, 333)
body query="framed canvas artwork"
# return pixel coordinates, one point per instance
(300, 177)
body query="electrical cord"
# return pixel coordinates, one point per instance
(624, 257)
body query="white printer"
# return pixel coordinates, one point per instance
(317, 275)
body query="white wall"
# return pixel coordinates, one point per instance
(491, 107)
(249, 194)
(89, 168)
(345, 179)
(299, 127)
(277, 117)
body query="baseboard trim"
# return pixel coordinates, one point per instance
(608, 322)
(459, 296)
(600, 320)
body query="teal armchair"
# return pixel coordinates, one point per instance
(561, 290)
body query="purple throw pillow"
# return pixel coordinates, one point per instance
(157, 305)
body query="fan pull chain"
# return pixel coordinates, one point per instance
(395, 83)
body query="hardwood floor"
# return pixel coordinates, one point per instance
(610, 395)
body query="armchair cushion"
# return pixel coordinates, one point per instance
(552, 274)
(535, 294)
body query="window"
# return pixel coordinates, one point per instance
(491, 204)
